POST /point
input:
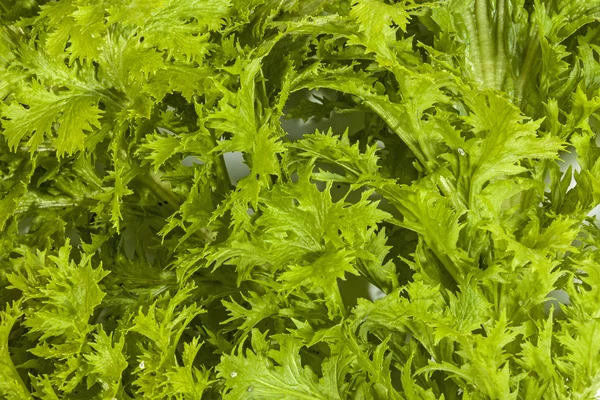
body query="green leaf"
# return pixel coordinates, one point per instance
(437, 175)
(74, 113)
(187, 380)
(163, 325)
(69, 293)
(503, 140)
(11, 384)
(108, 362)
(374, 19)
(255, 374)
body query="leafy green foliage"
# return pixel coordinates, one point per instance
(133, 265)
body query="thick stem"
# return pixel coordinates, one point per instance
(528, 65)
(159, 189)
(486, 47)
(500, 53)
(224, 182)
(162, 191)
(474, 53)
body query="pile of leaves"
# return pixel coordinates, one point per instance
(125, 273)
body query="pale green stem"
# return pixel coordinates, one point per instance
(486, 47)
(500, 53)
